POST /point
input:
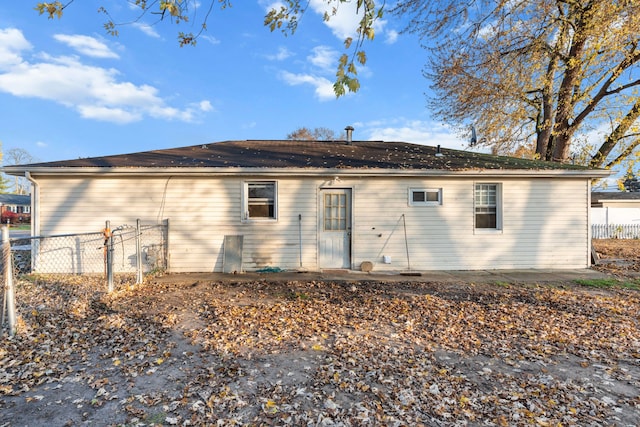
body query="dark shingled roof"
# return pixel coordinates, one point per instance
(311, 154)
(15, 199)
(597, 196)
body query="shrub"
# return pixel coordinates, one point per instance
(9, 217)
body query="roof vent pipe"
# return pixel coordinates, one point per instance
(438, 152)
(349, 130)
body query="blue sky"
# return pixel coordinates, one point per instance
(69, 90)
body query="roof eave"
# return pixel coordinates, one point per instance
(195, 171)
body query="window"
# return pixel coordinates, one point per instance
(425, 196)
(487, 206)
(260, 200)
(335, 212)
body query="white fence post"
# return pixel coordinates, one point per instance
(9, 295)
(138, 254)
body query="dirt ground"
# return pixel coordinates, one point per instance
(618, 257)
(325, 353)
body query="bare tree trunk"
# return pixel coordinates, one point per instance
(546, 127)
(563, 129)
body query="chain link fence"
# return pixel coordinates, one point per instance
(137, 249)
(134, 248)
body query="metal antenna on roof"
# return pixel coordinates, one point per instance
(474, 138)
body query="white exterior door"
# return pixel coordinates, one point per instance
(335, 228)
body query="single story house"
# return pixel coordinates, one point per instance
(615, 214)
(316, 205)
(615, 207)
(18, 205)
(615, 199)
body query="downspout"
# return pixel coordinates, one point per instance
(35, 201)
(591, 259)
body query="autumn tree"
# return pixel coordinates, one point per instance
(317, 134)
(544, 74)
(19, 156)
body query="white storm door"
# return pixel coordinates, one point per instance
(335, 228)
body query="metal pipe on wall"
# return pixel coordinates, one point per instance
(300, 238)
(35, 201)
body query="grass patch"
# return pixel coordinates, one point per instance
(21, 227)
(503, 284)
(297, 295)
(156, 419)
(610, 283)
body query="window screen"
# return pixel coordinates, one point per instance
(486, 205)
(261, 200)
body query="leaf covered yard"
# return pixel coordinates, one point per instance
(310, 352)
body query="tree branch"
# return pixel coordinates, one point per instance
(616, 136)
(604, 89)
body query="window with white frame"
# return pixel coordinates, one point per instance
(260, 198)
(425, 196)
(487, 205)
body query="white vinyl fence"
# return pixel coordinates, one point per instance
(615, 231)
(615, 223)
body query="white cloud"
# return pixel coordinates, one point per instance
(205, 106)
(146, 29)
(323, 87)
(86, 45)
(270, 4)
(415, 131)
(320, 67)
(487, 31)
(324, 58)
(12, 43)
(323, 62)
(107, 114)
(343, 18)
(392, 37)
(282, 54)
(250, 125)
(41, 144)
(343, 21)
(94, 92)
(210, 39)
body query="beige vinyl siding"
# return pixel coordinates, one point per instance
(544, 225)
(201, 212)
(79, 205)
(276, 243)
(544, 221)
(379, 230)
